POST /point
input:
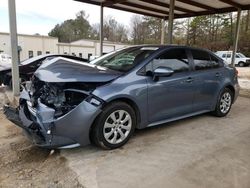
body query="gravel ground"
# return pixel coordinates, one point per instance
(24, 165)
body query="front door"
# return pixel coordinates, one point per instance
(170, 97)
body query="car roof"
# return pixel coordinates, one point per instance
(161, 46)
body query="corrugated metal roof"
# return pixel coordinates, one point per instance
(183, 8)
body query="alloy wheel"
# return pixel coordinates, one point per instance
(225, 102)
(117, 126)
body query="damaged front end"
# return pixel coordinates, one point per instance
(56, 114)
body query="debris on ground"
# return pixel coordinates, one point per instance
(25, 165)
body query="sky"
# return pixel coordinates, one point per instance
(40, 16)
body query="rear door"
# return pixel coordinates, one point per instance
(170, 97)
(208, 74)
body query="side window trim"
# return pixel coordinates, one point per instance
(210, 60)
(219, 60)
(142, 71)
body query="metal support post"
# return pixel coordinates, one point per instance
(14, 50)
(236, 37)
(171, 21)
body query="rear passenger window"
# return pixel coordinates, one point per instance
(203, 60)
(175, 59)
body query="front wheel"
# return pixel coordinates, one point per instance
(114, 126)
(224, 103)
(241, 64)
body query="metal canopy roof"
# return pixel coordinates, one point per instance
(182, 9)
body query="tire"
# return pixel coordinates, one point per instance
(241, 64)
(224, 103)
(114, 126)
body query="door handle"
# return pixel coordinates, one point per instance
(189, 80)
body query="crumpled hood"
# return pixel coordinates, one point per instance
(67, 70)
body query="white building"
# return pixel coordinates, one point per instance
(33, 45)
(86, 48)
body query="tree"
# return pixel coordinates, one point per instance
(145, 29)
(114, 31)
(137, 32)
(73, 29)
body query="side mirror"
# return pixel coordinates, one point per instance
(162, 72)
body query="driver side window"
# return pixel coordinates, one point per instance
(176, 59)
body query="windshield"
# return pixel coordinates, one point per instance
(241, 55)
(125, 59)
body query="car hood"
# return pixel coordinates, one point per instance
(67, 70)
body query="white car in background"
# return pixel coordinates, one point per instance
(240, 59)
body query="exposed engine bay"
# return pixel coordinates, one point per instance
(62, 97)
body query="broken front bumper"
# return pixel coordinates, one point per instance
(45, 130)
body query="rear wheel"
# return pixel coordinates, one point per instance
(114, 126)
(224, 103)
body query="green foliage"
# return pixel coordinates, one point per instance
(214, 32)
(145, 30)
(73, 29)
(114, 31)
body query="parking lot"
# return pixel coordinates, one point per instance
(202, 151)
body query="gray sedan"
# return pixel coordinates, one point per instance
(70, 103)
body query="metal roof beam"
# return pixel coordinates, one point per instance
(161, 4)
(89, 2)
(196, 4)
(138, 12)
(123, 9)
(189, 13)
(145, 8)
(232, 3)
(112, 2)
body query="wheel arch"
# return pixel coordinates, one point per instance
(126, 100)
(231, 88)
(228, 86)
(131, 103)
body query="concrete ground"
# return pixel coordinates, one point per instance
(198, 152)
(202, 151)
